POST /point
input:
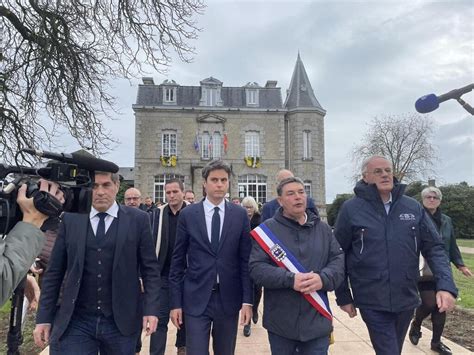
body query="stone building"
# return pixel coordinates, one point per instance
(178, 129)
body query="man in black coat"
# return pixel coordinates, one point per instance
(100, 254)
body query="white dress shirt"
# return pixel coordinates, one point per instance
(112, 213)
(209, 212)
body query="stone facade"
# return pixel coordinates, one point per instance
(179, 129)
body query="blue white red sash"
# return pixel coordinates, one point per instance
(283, 258)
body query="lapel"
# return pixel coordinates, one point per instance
(124, 220)
(229, 208)
(80, 228)
(201, 221)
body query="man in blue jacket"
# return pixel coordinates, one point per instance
(382, 233)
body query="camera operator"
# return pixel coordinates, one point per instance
(23, 243)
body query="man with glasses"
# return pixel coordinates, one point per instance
(382, 232)
(133, 197)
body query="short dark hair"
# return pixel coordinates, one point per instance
(286, 182)
(177, 181)
(215, 165)
(189, 190)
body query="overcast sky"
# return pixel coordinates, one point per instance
(363, 58)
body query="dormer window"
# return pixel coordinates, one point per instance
(170, 95)
(170, 89)
(251, 94)
(211, 92)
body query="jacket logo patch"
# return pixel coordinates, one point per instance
(407, 217)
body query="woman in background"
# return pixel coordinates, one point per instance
(431, 198)
(251, 207)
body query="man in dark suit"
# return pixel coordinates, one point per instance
(100, 254)
(165, 221)
(209, 278)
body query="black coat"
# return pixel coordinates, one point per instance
(133, 250)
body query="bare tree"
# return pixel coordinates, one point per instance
(405, 140)
(58, 57)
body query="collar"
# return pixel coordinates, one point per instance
(112, 211)
(209, 206)
(389, 200)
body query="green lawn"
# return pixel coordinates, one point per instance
(465, 243)
(465, 284)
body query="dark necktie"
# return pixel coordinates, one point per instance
(215, 229)
(100, 234)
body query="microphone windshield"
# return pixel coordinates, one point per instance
(427, 103)
(91, 163)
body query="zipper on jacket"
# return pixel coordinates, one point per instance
(414, 237)
(362, 240)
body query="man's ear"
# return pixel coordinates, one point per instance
(364, 178)
(279, 200)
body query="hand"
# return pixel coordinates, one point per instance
(349, 309)
(176, 316)
(245, 314)
(149, 324)
(36, 270)
(307, 282)
(465, 271)
(445, 301)
(41, 334)
(30, 213)
(32, 292)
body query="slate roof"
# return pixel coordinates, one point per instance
(300, 93)
(189, 96)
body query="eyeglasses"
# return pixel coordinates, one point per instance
(132, 198)
(380, 171)
(248, 207)
(432, 197)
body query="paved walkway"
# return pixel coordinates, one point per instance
(466, 250)
(350, 333)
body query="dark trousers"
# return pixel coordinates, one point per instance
(387, 330)
(213, 320)
(284, 346)
(87, 334)
(158, 339)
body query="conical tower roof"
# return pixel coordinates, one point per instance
(300, 94)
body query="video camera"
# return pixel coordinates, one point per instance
(74, 173)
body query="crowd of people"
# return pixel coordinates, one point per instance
(125, 270)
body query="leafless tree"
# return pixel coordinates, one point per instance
(58, 58)
(405, 140)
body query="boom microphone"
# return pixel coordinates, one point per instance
(429, 103)
(82, 161)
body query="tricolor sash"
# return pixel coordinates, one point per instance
(283, 258)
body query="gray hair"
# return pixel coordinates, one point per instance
(115, 177)
(249, 200)
(366, 161)
(286, 182)
(215, 165)
(429, 189)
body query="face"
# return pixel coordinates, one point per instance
(132, 198)
(148, 201)
(216, 185)
(174, 195)
(293, 200)
(189, 196)
(250, 210)
(431, 201)
(104, 192)
(236, 201)
(379, 172)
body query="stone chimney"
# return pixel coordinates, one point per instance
(148, 81)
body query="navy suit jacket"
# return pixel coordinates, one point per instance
(133, 251)
(194, 266)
